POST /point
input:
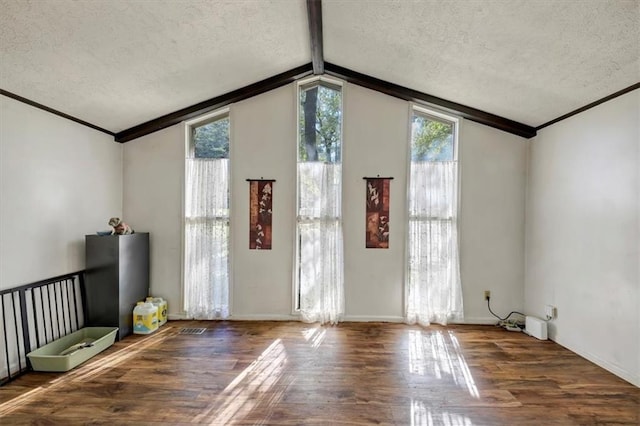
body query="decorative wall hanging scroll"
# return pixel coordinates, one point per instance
(377, 219)
(260, 213)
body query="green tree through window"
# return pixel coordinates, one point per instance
(320, 124)
(212, 139)
(432, 139)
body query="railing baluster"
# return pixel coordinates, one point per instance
(53, 336)
(75, 303)
(44, 319)
(56, 287)
(64, 296)
(67, 311)
(26, 338)
(6, 341)
(83, 299)
(63, 330)
(35, 316)
(52, 310)
(15, 322)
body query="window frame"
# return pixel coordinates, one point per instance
(191, 125)
(300, 86)
(452, 221)
(189, 153)
(436, 115)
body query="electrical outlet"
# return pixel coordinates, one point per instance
(550, 311)
(487, 295)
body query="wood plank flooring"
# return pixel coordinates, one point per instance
(290, 373)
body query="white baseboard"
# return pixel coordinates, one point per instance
(368, 318)
(477, 321)
(251, 317)
(176, 316)
(395, 319)
(264, 317)
(612, 368)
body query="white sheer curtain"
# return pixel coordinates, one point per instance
(320, 262)
(206, 272)
(433, 289)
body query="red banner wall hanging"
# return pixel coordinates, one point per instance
(260, 212)
(377, 220)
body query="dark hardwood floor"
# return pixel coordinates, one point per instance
(284, 373)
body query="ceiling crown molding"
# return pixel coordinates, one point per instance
(591, 105)
(54, 111)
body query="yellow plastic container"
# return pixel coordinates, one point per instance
(145, 318)
(162, 308)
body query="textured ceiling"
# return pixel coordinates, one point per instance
(527, 60)
(119, 63)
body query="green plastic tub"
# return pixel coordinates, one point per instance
(72, 350)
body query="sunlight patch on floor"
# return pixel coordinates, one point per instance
(20, 401)
(250, 388)
(421, 415)
(467, 378)
(440, 355)
(314, 335)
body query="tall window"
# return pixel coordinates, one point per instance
(320, 293)
(433, 289)
(206, 233)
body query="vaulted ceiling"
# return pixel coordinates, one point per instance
(119, 63)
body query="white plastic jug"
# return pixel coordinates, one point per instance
(145, 318)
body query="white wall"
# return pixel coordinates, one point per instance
(263, 132)
(493, 165)
(583, 233)
(376, 132)
(263, 144)
(59, 181)
(153, 180)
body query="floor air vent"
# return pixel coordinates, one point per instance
(192, 331)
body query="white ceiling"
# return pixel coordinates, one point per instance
(527, 60)
(119, 63)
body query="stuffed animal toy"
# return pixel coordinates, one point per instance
(119, 227)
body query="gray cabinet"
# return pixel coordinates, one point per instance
(117, 276)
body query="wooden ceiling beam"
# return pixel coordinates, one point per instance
(411, 95)
(214, 103)
(314, 13)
